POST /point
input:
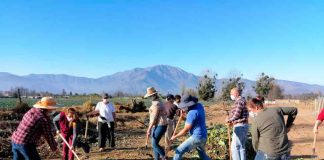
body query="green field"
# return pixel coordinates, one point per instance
(76, 101)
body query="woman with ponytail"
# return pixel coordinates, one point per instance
(66, 125)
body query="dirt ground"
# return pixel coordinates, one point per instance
(131, 146)
(130, 135)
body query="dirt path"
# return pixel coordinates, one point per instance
(302, 134)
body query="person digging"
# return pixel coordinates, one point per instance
(196, 126)
(66, 125)
(34, 124)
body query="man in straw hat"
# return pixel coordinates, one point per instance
(35, 123)
(195, 125)
(158, 123)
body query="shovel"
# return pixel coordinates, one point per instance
(69, 146)
(229, 136)
(146, 141)
(314, 147)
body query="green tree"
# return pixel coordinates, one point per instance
(228, 84)
(263, 85)
(206, 87)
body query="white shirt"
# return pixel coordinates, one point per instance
(105, 110)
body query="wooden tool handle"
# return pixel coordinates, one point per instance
(69, 146)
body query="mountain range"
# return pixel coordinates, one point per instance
(166, 79)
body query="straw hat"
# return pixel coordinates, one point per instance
(150, 91)
(46, 103)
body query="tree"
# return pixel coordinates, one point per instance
(191, 92)
(63, 92)
(183, 89)
(229, 84)
(276, 92)
(206, 87)
(263, 85)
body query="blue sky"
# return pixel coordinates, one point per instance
(94, 38)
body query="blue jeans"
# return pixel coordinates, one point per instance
(239, 138)
(24, 152)
(188, 145)
(263, 156)
(157, 133)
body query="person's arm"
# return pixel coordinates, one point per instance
(190, 120)
(47, 133)
(292, 113)
(95, 112)
(255, 136)
(317, 124)
(74, 134)
(56, 120)
(319, 120)
(237, 113)
(155, 113)
(183, 132)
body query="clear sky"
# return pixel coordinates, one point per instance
(94, 38)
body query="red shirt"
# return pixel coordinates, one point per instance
(33, 125)
(65, 124)
(320, 116)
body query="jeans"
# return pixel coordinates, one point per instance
(24, 152)
(239, 138)
(188, 145)
(156, 135)
(106, 131)
(263, 156)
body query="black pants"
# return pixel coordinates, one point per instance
(106, 132)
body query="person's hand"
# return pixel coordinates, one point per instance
(182, 115)
(315, 130)
(148, 133)
(172, 139)
(57, 132)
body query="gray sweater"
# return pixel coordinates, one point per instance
(269, 131)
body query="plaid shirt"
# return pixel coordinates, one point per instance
(34, 124)
(239, 112)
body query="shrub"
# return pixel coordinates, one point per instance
(217, 143)
(87, 107)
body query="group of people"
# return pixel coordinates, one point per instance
(36, 123)
(269, 129)
(162, 122)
